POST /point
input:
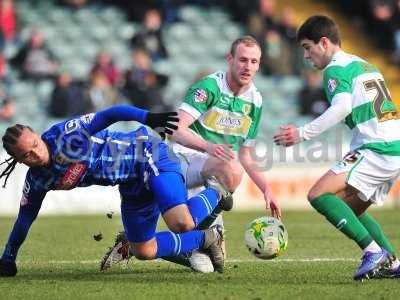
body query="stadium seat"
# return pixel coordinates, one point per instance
(127, 31)
(190, 14)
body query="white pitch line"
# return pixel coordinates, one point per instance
(277, 260)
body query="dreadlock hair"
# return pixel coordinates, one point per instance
(10, 139)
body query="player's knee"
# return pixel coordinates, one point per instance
(226, 174)
(146, 251)
(233, 172)
(179, 219)
(182, 225)
(313, 194)
(144, 255)
(236, 179)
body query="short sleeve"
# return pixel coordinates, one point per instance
(200, 97)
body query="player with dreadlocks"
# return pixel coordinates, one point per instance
(81, 152)
(9, 140)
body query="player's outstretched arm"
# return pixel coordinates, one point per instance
(253, 170)
(289, 135)
(105, 118)
(27, 214)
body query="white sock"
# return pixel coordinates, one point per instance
(395, 264)
(373, 247)
(218, 220)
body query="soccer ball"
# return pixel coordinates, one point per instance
(266, 237)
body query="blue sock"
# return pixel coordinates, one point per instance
(202, 205)
(171, 244)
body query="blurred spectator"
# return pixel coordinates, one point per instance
(8, 21)
(384, 23)
(263, 19)
(67, 98)
(287, 25)
(277, 37)
(240, 9)
(101, 92)
(3, 69)
(380, 19)
(137, 9)
(142, 85)
(7, 107)
(35, 60)
(288, 29)
(276, 55)
(5, 81)
(268, 14)
(255, 26)
(311, 97)
(106, 66)
(150, 36)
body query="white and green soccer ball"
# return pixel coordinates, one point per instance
(266, 237)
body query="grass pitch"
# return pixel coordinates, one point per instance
(59, 260)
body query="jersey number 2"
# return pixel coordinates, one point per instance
(382, 113)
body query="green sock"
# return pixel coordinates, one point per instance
(340, 215)
(376, 232)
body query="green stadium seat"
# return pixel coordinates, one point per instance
(179, 32)
(191, 14)
(109, 14)
(290, 84)
(44, 90)
(164, 66)
(127, 31)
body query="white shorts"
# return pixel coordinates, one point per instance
(192, 163)
(372, 174)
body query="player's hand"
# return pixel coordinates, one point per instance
(272, 203)
(7, 268)
(221, 151)
(288, 135)
(166, 121)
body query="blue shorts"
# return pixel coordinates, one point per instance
(140, 214)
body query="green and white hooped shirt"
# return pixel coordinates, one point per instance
(221, 117)
(374, 117)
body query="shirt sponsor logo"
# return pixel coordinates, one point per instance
(200, 95)
(332, 84)
(351, 157)
(87, 118)
(246, 108)
(72, 176)
(71, 125)
(225, 100)
(229, 122)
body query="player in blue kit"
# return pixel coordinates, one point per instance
(81, 152)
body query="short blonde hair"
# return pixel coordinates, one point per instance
(248, 40)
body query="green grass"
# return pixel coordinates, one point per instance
(59, 261)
